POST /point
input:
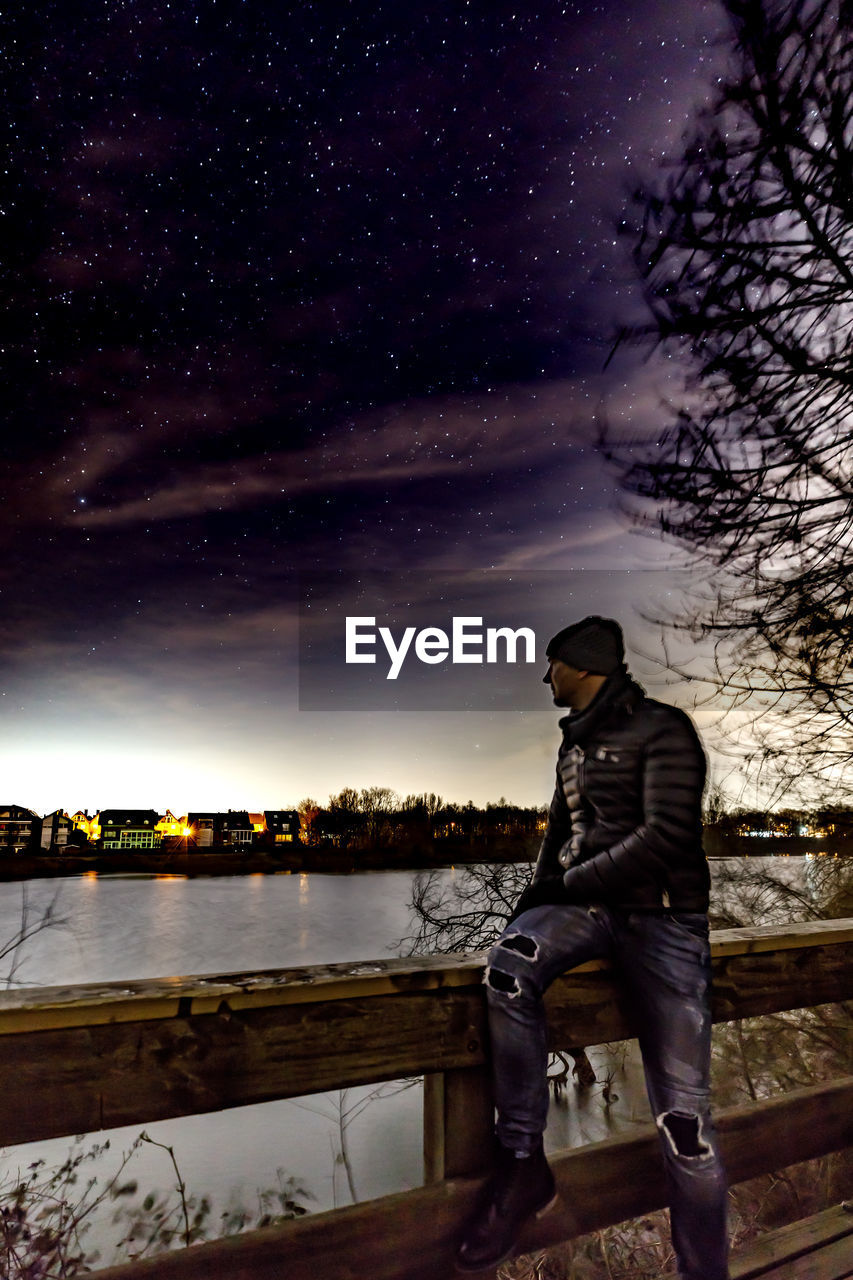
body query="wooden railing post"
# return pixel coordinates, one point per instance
(458, 1123)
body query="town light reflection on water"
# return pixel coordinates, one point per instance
(303, 904)
(92, 877)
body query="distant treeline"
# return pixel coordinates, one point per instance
(377, 818)
(376, 827)
(835, 820)
(793, 831)
(377, 815)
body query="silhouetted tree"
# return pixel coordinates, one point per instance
(467, 913)
(309, 811)
(376, 805)
(745, 249)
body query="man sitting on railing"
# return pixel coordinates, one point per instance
(621, 874)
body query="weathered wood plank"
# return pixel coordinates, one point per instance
(587, 1007)
(412, 1236)
(84, 1005)
(76, 1079)
(49, 1008)
(829, 1262)
(774, 937)
(786, 1243)
(625, 1178)
(767, 982)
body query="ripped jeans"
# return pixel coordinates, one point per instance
(664, 960)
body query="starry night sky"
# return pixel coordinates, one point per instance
(292, 289)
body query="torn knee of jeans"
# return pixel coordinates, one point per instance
(505, 983)
(683, 1131)
(527, 947)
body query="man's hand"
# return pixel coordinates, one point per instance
(544, 892)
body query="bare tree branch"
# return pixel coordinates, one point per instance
(745, 250)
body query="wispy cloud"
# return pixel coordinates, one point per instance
(519, 429)
(489, 433)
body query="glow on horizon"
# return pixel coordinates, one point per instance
(252, 755)
(460, 757)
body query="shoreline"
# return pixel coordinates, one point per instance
(254, 862)
(298, 859)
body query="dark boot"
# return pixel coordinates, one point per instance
(518, 1188)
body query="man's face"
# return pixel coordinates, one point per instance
(565, 682)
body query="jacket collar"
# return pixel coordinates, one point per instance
(619, 691)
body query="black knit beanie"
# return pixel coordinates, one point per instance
(594, 644)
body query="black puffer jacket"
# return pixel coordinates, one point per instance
(625, 821)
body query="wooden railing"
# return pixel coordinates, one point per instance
(78, 1059)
